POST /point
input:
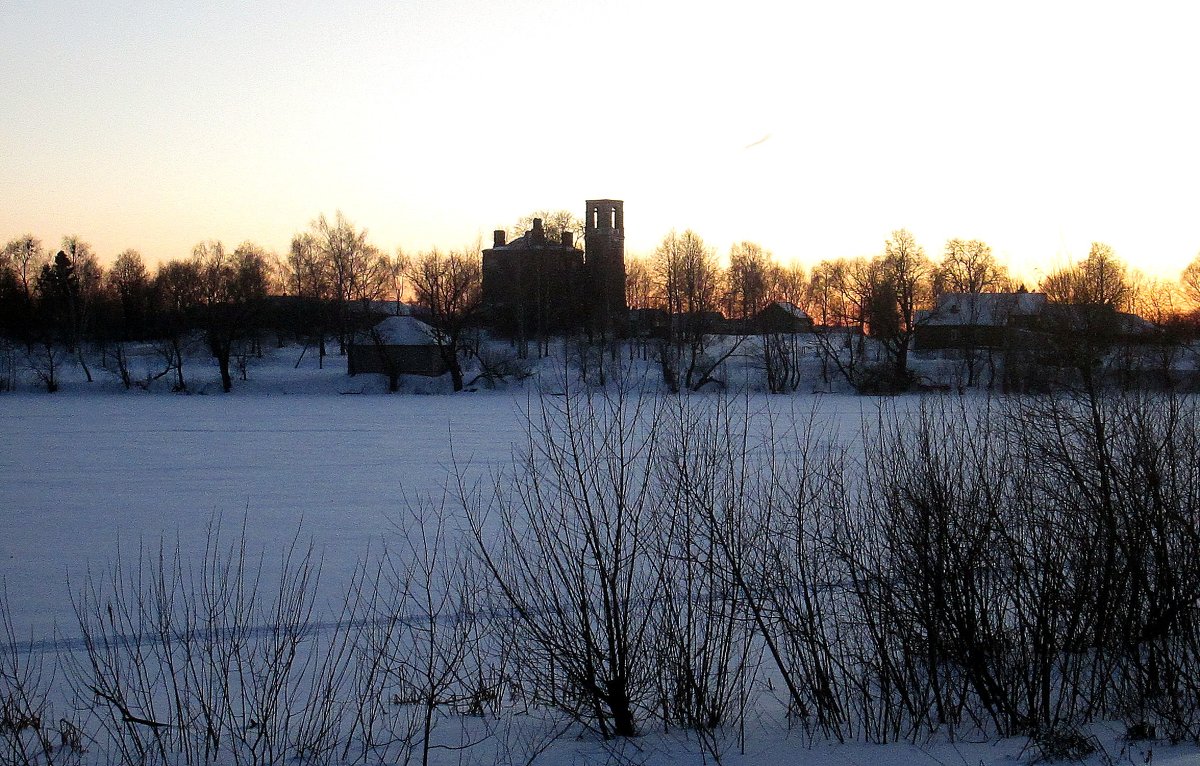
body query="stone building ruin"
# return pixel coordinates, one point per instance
(535, 286)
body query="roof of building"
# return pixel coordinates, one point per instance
(1085, 316)
(1132, 324)
(983, 309)
(791, 309)
(402, 331)
(528, 242)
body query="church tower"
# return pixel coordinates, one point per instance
(604, 245)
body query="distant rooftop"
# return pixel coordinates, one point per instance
(793, 309)
(983, 309)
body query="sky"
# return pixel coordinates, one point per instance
(812, 128)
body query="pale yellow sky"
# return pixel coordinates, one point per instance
(812, 128)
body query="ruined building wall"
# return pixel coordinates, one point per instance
(533, 286)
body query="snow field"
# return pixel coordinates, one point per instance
(95, 476)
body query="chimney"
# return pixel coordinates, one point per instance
(568, 239)
(498, 238)
(538, 234)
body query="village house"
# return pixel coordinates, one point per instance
(781, 318)
(978, 320)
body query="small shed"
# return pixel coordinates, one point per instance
(399, 345)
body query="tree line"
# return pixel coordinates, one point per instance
(330, 282)
(52, 307)
(886, 296)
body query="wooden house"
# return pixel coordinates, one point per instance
(978, 320)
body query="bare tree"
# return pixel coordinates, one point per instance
(308, 276)
(198, 664)
(231, 291)
(126, 312)
(764, 283)
(782, 360)
(748, 280)
(21, 261)
(554, 222)
(1189, 281)
(643, 301)
(789, 282)
(568, 536)
(1085, 323)
(829, 298)
(639, 284)
(449, 289)
(28, 733)
(838, 297)
(778, 504)
(68, 291)
(968, 266)
(1163, 303)
(441, 661)
(27, 256)
(706, 643)
(129, 280)
(357, 271)
(689, 282)
(902, 285)
(176, 295)
(1100, 280)
(45, 358)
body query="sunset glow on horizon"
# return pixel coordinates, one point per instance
(814, 129)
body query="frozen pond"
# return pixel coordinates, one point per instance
(82, 476)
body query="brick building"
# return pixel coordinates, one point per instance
(535, 286)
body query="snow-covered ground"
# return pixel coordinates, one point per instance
(82, 475)
(94, 470)
(293, 450)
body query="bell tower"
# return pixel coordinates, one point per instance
(604, 245)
